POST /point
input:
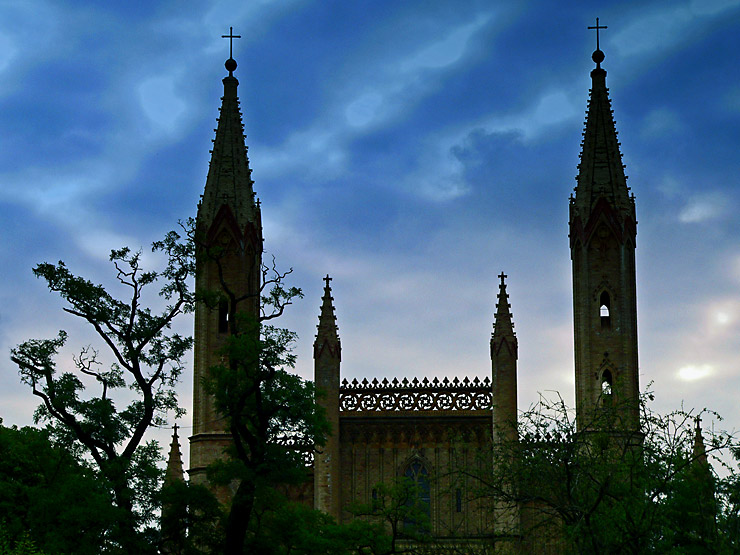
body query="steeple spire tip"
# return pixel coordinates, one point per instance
(598, 55)
(231, 62)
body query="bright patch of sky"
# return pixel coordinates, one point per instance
(694, 372)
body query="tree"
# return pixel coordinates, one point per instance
(271, 413)
(604, 490)
(147, 359)
(47, 498)
(398, 507)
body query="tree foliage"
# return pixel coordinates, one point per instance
(48, 500)
(80, 401)
(270, 412)
(604, 490)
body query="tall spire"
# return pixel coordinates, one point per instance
(327, 336)
(503, 327)
(601, 172)
(603, 231)
(174, 472)
(229, 180)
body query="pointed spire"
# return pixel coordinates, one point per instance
(601, 172)
(699, 452)
(503, 325)
(327, 327)
(174, 472)
(229, 180)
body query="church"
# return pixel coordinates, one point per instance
(431, 430)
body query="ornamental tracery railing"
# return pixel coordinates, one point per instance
(415, 395)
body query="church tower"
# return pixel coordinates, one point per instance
(602, 244)
(327, 356)
(228, 235)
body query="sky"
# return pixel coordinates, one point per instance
(413, 150)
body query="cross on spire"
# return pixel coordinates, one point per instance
(327, 279)
(597, 27)
(503, 276)
(697, 420)
(231, 36)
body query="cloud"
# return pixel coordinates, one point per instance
(161, 103)
(702, 208)
(364, 101)
(444, 52)
(661, 122)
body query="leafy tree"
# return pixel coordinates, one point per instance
(46, 495)
(271, 413)
(146, 360)
(604, 490)
(398, 509)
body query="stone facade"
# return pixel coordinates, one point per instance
(437, 432)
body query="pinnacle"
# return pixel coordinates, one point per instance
(174, 472)
(503, 325)
(327, 328)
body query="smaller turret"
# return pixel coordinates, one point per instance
(327, 354)
(504, 354)
(174, 472)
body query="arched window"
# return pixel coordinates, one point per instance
(223, 316)
(418, 500)
(606, 383)
(604, 310)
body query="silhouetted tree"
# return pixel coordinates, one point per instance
(147, 359)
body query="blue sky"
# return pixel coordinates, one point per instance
(413, 150)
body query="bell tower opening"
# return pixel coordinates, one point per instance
(223, 316)
(606, 384)
(605, 310)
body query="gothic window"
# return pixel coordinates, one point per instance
(458, 500)
(606, 384)
(223, 316)
(418, 500)
(604, 310)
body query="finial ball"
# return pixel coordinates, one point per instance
(230, 65)
(597, 56)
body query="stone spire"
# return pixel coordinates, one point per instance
(603, 231)
(503, 327)
(174, 472)
(600, 172)
(327, 336)
(229, 180)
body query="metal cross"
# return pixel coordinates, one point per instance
(503, 276)
(697, 420)
(327, 279)
(175, 428)
(597, 27)
(231, 36)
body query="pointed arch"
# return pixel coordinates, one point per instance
(418, 495)
(605, 309)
